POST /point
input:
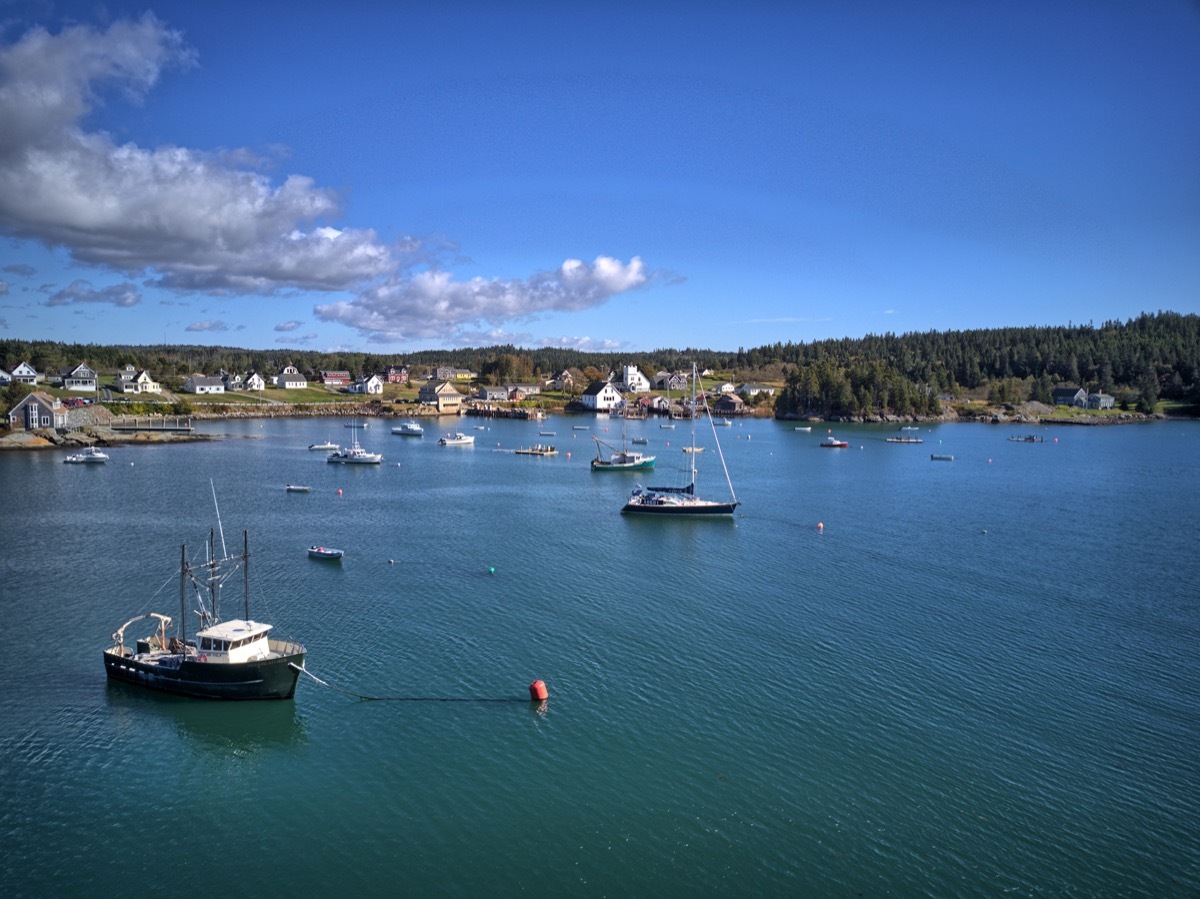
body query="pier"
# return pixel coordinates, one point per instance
(171, 424)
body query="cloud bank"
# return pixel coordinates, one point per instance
(194, 222)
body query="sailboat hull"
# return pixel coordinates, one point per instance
(273, 678)
(661, 504)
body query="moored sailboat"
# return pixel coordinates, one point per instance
(683, 501)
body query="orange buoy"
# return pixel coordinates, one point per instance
(537, 691)
(339, 491)
(820, 525)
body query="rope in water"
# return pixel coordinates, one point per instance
(365, 698)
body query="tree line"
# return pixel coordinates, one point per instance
(1139, 361)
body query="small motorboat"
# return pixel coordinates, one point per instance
(832, 442)
(328, 446)
(409, 429)
(297, 488)
(324, 552)
(91, 455)
(458, 438)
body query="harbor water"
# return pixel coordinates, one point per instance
(885, 676)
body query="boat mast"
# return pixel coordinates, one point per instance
(246, 570)
(183, 572)
(716, 440)
(213, 588)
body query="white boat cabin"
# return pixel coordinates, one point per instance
(234, 641)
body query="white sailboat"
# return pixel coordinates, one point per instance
(683, 501)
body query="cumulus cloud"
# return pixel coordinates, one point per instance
(122, 295)
(194, 218)
(209, 325)
(192, 221)
(288, 326)
(432, 303)
(20, 268)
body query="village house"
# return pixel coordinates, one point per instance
(446, 373)
(564, 381)
(492, 393)
(442, 395)
(395, 374)
(601, 396)
(726, 387)
(334, 378)
(729, 404)
(81, 377)
(751, 389)
(289, 378)
(203, 384)
(37, 410)
(1069, 396)
(25, 373)
(139, 382)
(670, 380)
(370, 385)
(254, 381)
(518, 392)
(1101, 401)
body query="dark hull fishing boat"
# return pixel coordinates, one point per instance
(233, 659)
(682, 502)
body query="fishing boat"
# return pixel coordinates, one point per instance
(683, 501)
(609, 458)
(355, 455)
(89, 456)
(297, 488)
(327, 446)
(905, 440)
(356, 425)
(409, 429)
(832, 442)
(537, 450)
(639, 441)
(325, 552)
(806, 428)
(1028, 438)
(693, 449)
(458, 438)
(940, 457)
(233, 659)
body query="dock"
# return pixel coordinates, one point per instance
(169, 424)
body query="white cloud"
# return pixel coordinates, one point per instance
(193, 221)
(288, 326)
(209, 325)
(122, 295)
(433, 303)
(193, 218)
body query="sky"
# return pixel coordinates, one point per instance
(388, 177)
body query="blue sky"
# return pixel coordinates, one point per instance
(389, 177)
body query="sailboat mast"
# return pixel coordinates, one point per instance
(212, 575)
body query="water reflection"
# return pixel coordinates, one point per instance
(233, 727)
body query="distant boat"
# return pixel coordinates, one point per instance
(682, 502)
(580, 428)
(325, 552)
(355, 455)
(832, 442)
(89, 456)
(905, 440)
(546, 433)
(297, 488)
(910, 428)
(409, 429)
(939, 457)
(807, 428)
(639, 441)
(622, 459)
(458, 438)
(1028, 438)
(537, 450)
(693, 449)
(725, 422)
(327, 445)
(669, 427)
(354, 424)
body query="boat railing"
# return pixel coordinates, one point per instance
(285, 647)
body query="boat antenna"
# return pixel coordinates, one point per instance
(224, 553)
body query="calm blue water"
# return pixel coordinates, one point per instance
(979, 678)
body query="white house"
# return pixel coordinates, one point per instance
(140, 382)
(203, 384)
(750, 389)
(601, 396)
(254, 381)
(25, 373)
(371, 385)
(634, 380)
(289, 378)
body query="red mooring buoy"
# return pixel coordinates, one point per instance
(537, 691)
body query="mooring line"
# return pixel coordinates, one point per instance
(364, 698)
